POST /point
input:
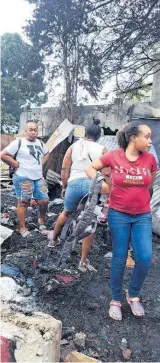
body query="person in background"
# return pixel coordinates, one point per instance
(133, 171)
(31, 155)
(76, 184)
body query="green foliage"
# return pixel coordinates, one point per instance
(7, 120)
(22, 73)
(90, 41)
(131, 33)
(64, 31)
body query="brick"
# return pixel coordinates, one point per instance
(7, 348)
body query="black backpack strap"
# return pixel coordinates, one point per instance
(90, 158)
(41, 142)
(19, 145)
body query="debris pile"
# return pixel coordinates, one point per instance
(79, 300)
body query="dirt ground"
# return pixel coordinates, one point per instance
(82, 304)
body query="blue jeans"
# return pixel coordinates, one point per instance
(137, 228)
(26, 188)
(75, 191)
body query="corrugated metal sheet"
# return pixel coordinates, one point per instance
(155, 201)
(56, 158)
(60, 134)
(109, 142)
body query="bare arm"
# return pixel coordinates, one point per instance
(104, 151)
(153, 175)
(91, 172)
(8, 159)
(45, 159)
(66, 166)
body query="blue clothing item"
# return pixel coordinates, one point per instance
(138, 228)
(75, 191)
(26, 188)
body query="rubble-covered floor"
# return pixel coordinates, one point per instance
(82, 304)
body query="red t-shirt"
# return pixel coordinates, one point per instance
(130, 181)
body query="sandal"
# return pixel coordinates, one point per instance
(135, 305)
(86, 266)
(115, 310)
(42, 226)
(27, 235)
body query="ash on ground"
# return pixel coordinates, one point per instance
(80, 300)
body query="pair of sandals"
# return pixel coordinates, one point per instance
(135, 305)
(29, 236)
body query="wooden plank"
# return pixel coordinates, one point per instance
(60, 134)
(78, 357)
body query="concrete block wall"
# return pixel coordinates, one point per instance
(37, 337)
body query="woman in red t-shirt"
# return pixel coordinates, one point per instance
(133, 172)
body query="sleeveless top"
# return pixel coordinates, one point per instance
(83, 153)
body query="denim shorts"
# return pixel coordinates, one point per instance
(26, 188)
(75, 191)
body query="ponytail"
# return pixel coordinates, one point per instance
(123, 136)
(122, 142)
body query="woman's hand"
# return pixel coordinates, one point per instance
(92, 169)
(8, 159)
(91, 172)
(66, 166)
(16, 164)
(105, 188)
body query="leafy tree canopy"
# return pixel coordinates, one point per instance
(129, 34)
(98, 39)
(22, 74)
(64, 31)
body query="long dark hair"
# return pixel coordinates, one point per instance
(93, 130)
(123, 136)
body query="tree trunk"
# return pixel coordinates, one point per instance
(71, 70)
